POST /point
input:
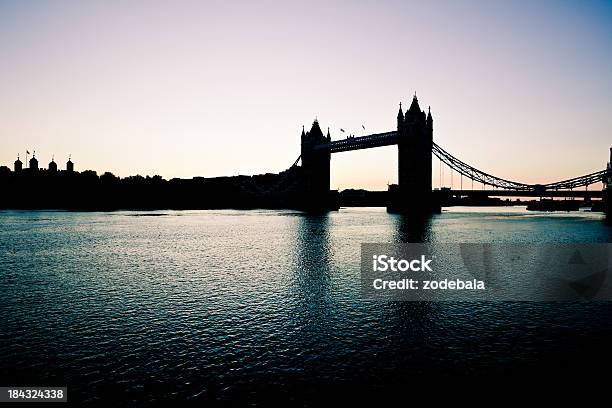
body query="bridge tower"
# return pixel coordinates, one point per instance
(316, 157)
(415, 138)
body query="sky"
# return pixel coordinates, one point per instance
(519, 89)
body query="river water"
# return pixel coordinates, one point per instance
(232, 305)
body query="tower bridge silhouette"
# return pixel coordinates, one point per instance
(305, 186)
(416, 148)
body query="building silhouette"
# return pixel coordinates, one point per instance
(52, 166)
(69, 166)
(18, 165)
(33, 163)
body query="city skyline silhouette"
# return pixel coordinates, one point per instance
(305, 184)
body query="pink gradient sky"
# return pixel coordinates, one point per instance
(522, 90)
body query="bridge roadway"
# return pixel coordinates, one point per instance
(363, 142)
(513, 193)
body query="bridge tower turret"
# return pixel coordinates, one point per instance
(400, 118)
(415, 138)
(316, 157)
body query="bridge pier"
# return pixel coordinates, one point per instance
(413, 194)
(316, 158)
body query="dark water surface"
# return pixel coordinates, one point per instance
(231, 305)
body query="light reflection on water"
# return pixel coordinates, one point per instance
(220, 304)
